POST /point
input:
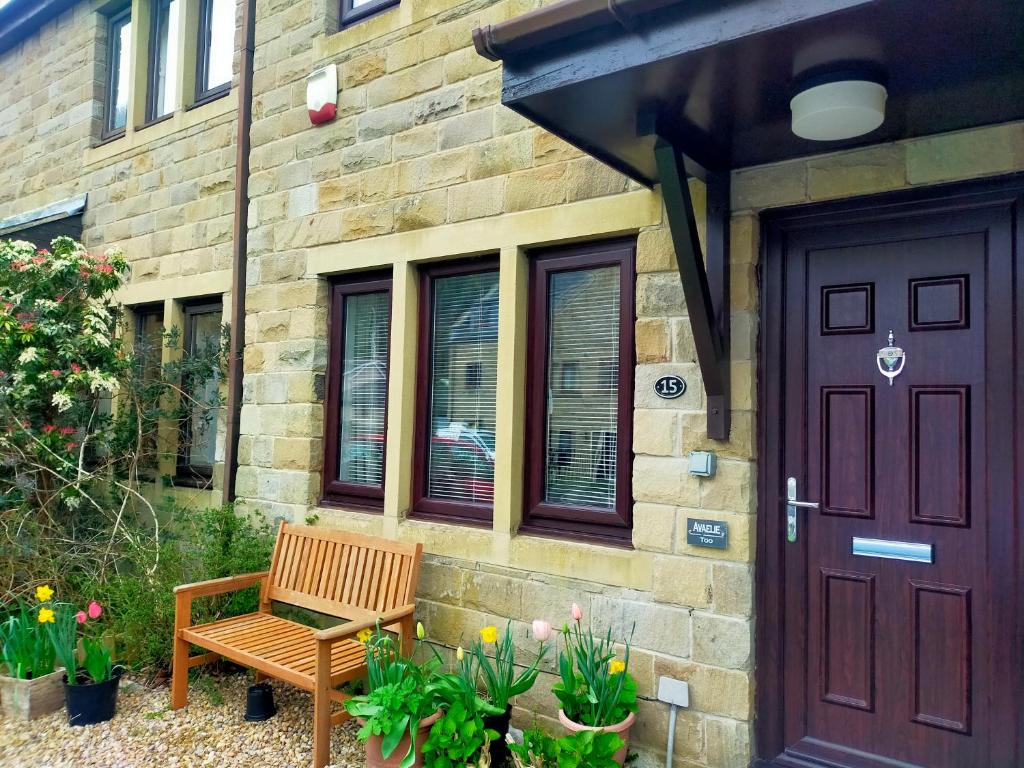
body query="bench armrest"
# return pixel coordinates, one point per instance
(352, 628)
(221, 586)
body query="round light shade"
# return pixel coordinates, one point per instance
(839, 110)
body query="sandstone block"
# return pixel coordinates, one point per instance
(682, 581)
(654, 527)
(659, 294)
(651, 341)
(732, 589)
(722, 642)
(654, 432)
(536, 188)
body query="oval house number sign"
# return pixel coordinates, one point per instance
(669, 387)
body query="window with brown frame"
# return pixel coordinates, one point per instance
(148, 349)
(198, 446)
(119, 47)
(357, 391)
(453, 471)
(580, 391)
(216, 49)
(357, 10)
(162, 90)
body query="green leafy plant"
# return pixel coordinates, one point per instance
(63, 624)
(97, 663)
(585, 749)
(595, 688)
(25, 649)
(398, 697)
(499, 676)
(458, 737)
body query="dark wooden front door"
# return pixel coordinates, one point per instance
(909, 661)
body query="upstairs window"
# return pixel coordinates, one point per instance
(163, 60)
(454, 467)
(200, 394)
(357, 10)
(119, 48)
(216, 48)
(357, 391)
(580, 391)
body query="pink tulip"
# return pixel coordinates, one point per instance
(577, 613)
(95, 610)
(541, 630)
(81, 617)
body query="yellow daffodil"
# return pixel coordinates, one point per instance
(43, 593)
(489, 634)
(460, 654)
(615, 666)
(363, 636)
(420, 631)
(45, 616)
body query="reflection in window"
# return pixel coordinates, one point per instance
(148, 350)
(463, 366)
(202, 394)
(216, 47)
(163, 62)
(583, 360)
(119, 47)
(364, 375)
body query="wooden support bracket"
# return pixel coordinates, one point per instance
(705, 285)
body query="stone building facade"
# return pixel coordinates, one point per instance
(423, 165)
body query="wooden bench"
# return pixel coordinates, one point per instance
(363, 579)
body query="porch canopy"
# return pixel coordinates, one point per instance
(662, 89)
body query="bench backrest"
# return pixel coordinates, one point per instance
(342, 574)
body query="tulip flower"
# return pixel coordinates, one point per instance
(541, 630)
(460, 653)
(420, 631)
(81, 618)
(95, 610)
(577, 613)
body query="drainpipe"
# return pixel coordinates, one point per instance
(240, 234)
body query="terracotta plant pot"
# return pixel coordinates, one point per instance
(373, 755)
(499, 747)
(29, 699)
(90, 703)
(621, 728)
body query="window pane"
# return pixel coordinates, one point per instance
(203, 422)
(463, 365)
(165, 58)
(220, 43)
(364, 374)
(583, 371)
(148, 349)
(117, 84)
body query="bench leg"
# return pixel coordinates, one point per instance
(322, 706)
(179, 661)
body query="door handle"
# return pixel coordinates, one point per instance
(792, 505)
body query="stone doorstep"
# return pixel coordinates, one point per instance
(29, 699)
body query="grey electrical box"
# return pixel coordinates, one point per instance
(702, 463)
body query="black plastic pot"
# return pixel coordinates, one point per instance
(499, 747)
(88, 703)
(259, 703)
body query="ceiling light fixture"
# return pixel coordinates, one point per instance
(841, 109)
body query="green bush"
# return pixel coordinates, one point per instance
(201, 544)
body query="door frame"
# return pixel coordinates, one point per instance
(1003, 191)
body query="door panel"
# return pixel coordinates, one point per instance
(889, 662)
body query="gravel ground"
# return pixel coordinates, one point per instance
(208, 733)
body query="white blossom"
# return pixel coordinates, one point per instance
(29, 355)
(62, 401)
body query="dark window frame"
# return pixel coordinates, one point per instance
(152, 75)
(424, 506)
(114, 22)
(351, 15)
(333, 491)
(561, 520)
(203, 46)
(187, 473)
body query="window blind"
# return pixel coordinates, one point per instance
(364, 389)
(463, 381)
(582, 382)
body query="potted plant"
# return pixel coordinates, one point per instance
(90, 690)
(581, 749)
(31, 687)
(500, 681)
(399, 708)
(596, 690)
(460, 737)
